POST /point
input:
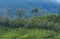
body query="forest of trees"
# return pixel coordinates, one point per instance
(44, 21)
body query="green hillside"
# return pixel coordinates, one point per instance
(40, 27)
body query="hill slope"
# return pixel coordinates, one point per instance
(34, 31)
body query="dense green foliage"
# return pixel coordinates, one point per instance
(40, 27)
(49, 21)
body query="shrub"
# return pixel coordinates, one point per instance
(17, 22)
(5, 21)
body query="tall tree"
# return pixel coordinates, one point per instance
(3, 12)
(20, 12)
(59, 8)
(9, 11)
(4, 18)
(34, 11)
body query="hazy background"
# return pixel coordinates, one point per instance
(50, 5)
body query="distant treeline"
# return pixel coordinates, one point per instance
(21, 12)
